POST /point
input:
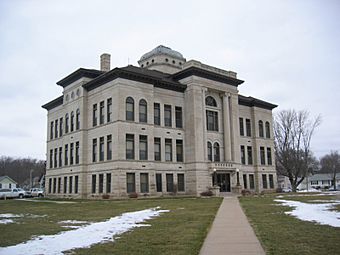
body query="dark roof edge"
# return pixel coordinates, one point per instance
(54, 103)
(208, 75)
(131, 75)
(251, 102)
(79, 73)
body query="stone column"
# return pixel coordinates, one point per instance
(204, 90)
(226, 126)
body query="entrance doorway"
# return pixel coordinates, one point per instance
(222, 180)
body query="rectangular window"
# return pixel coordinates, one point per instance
(101, 184)
(51, 158)
(76, 184)
(66, 123)
(243, 155)
(143, 147)
(130, 146)
(77, 119)
(55, 157)
(94, 150)
(109, 110)
(250, 155)
(144, 183)
(269, 156)
(180, 182)
(51, 130)
(264, 181)
(108, 183)
(251, 181)
(212, 120)
(245, 184)
(167, 116)
(60, 156)
(70, 184)
(94, 183)
(101, 148)
(109, 147)
(143, 112)
(54, 185)
(56, 128)
(157, 145)
(130, 183)
(169, 183)
(159, 182)
(248, 127)
(241, 127)
(59, 185)
(157, 113)
(66, 155)
(179, 150)
(50, 185)
(271, 181)
(314, 182)
(179, 119)
(65, 185)
(77, 152)
(168, 150)
(71, 153)
(94, 115)
(72, 122)
(101, 112)
(262, 156)
(61, 126)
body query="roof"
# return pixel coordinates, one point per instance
(160, 50)
(251, 102)
(80, 73)
(7, 177)
(323, 177)
(156, 78)
(54, 103)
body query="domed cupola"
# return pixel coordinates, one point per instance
(162, 59)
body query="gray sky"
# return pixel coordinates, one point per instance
(288, 53)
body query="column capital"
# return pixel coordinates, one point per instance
(204, 90)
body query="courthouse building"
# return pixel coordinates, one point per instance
(169, 126)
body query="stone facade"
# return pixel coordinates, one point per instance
(166, 127)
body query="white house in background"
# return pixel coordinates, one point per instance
(7, 183)
(323, 181)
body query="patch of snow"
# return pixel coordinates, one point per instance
(73, 222)
(6, 221)
(319, 213)
(85, 236)
(308, 190)
(10, 215)
(48, 201)
(279, 196)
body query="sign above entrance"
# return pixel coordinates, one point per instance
(218, 166)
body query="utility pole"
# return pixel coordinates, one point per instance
(31, 181)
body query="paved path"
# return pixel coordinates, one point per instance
(231, 232)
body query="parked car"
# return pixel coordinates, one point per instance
(37, 192)
(286, 190)
(12, 193)
(26, 192)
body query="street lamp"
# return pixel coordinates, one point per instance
(214, 177)
(238, 176)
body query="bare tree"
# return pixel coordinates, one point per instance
(293, 131)
(330, 163)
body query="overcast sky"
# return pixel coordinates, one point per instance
(288, 53)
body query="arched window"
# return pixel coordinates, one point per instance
(130, 109)
(77, 119)
(210, 101)
(72, 121)
(261, 128)
(143, 113)
(66, 122)
(216, 152)
(267, 129)
(209, 151)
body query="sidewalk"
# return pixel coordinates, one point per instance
(231, 232)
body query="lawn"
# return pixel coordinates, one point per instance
(180, 231)
(283, 234)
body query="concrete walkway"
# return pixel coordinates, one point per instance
(231, 232)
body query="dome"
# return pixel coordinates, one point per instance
(162, 50)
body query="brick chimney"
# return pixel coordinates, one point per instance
(105, 62)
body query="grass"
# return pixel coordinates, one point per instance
(283, 234)
(181, 231)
